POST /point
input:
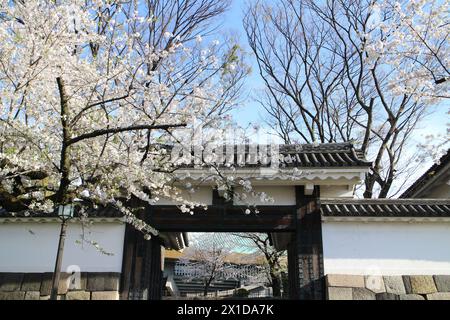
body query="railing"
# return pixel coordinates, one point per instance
(237, 272)
(265, 293)
(262, 293)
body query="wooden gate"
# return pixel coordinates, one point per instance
(142, 275)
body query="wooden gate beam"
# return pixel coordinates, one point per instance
(223, 218)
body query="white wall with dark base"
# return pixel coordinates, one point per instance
(31, 247)
(386, 248)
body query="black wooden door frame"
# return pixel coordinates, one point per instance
(305, 252)
(142, 275)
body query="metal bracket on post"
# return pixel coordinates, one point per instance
(309, 189)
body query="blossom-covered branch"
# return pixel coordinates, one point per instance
(89, 89)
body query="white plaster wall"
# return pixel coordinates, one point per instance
(201, 195)
(386, 248)
(282, 195)
(31, 247)
(336, 191)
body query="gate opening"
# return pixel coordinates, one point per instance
(220, 265)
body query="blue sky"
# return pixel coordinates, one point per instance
(250, 111)
(435, 123)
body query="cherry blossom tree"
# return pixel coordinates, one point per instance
(412, 36)
(209, 258)
(274, 259)
(90, 90)
(204, 261)
(365, 71)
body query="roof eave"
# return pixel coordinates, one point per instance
(429, 183)
(424, 181)
(366, 219)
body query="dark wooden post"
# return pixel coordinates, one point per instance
(293, 276)
(152, 273)
(129, 247)
(142, 273)
(305, 253)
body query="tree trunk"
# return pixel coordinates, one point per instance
(369, 184)
(206, 288)
(61, 196)
(276, 285)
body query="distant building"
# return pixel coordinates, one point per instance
(434, 183)
(181, 283)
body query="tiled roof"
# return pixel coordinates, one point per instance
(322, 155)
(385, 208)
(427, 176)
(295, 156)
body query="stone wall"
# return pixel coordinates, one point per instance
(77, 286)
(358, 287)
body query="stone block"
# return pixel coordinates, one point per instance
(439, 296)
(105, 281)
(394, 284)
(411, 297)
(77, 281)
(78, 295)
(44, 298)
(386, 296)
(112, 281)
(63, 284)
(32, 295)
(10, 281)
(95, 281)
(31, 282)
(363, 294)
(339, 293)
(345, 280)
(105, 295)
(375, 283)
(46, 285)
(407, 283)
(12, 295)
(422, 284)
(442, 283)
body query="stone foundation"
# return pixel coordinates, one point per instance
(358, 287)
(81, 286)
